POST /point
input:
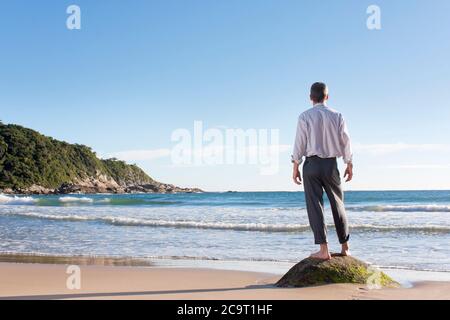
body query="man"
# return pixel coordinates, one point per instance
(322, 137)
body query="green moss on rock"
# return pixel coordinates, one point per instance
(339, 269)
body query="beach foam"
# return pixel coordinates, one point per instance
(75, 199)
(16, 200)
(186, 224)
(48, 216)
(402, 208)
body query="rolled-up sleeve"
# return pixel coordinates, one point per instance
(345, 142)
(300, 141)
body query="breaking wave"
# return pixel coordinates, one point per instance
(75, 199)
(403, 208)
(16, 200)
(182, 224)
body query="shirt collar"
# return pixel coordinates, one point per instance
(320, 104)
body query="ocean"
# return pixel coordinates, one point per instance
(403, 230)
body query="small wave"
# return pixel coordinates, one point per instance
(73, 218)
(134, 202)
(260, 227)
(16, 200)
(143, 202)
(405, 228)
(133, 222)
(75, 199)
(207, 225)
(402, 208)
(106, 200)
(412, 268)
(212, 258)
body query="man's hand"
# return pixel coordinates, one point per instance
(349, 172)
(296, 175)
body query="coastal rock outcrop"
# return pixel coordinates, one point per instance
(160, 188)
(339, 269)
(31, 163)
(96, 186)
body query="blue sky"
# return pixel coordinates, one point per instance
(138, 70)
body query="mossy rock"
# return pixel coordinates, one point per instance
(339, 269)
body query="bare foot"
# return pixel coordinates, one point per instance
(345, 250)
(321, 255)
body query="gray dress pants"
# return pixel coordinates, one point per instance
(323, 175)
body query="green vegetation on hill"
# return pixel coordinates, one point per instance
(29, 158)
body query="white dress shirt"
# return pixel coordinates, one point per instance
(322, 132)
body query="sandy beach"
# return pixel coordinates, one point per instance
(48, 281)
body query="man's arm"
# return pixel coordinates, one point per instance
(346, 150)
(299, 149)
(349, 172)
(296, 174)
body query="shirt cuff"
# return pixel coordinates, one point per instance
(298, 160)
(348, 160)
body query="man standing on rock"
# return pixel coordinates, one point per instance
(322, 137)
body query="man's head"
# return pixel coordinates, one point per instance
(319, 92)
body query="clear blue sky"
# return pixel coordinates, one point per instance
(137, 70)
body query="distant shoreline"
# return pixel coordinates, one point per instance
(76, 260)
(196, 190)
(160, 189)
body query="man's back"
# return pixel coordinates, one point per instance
(321, 131)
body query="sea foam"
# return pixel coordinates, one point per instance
(214, 225)
(16, 200)
(402, 208)
(75, 199)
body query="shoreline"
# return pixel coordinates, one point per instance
(30, 194)
(18, 193)
(81, 260)
(35, 281)
(407, 278)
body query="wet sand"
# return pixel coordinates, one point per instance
(106, 280)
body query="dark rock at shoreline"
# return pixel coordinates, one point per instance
(340, 269)
(160, 188)
(97, 186)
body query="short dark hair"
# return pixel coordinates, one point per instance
(319, 91)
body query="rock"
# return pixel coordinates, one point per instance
(340, 269)
(36, 190)
(7, 191)
(101, 184)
